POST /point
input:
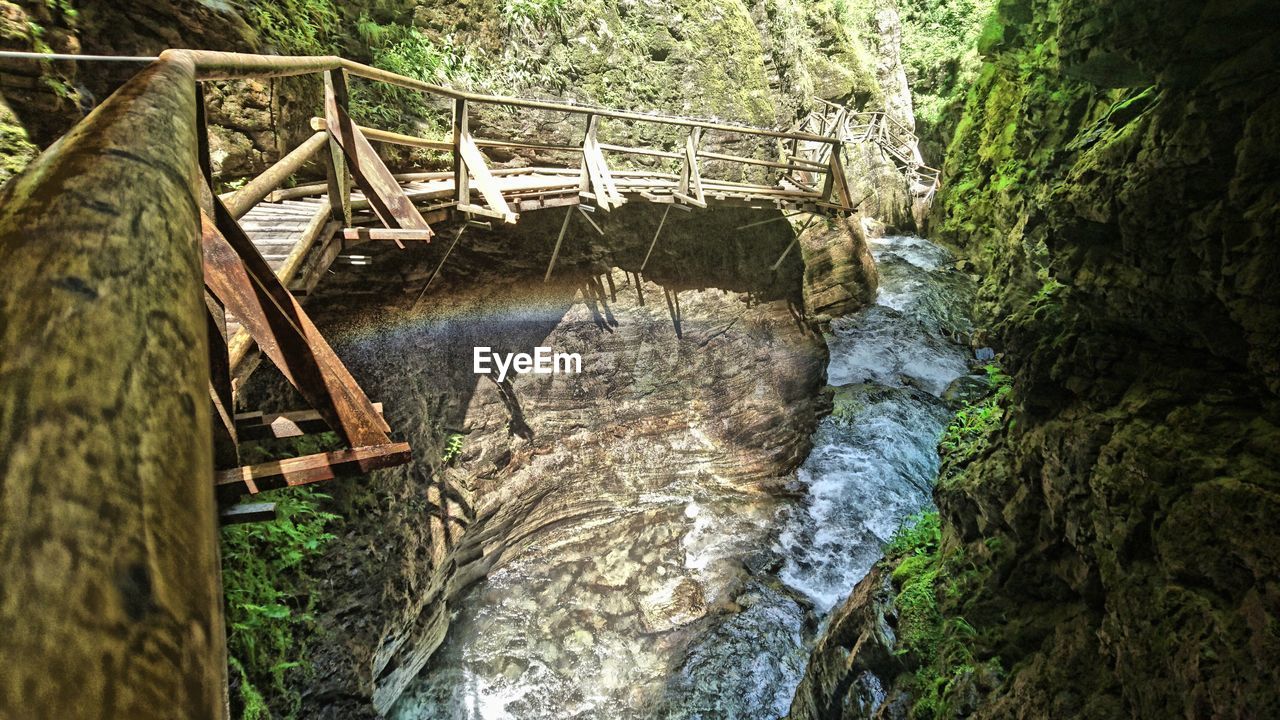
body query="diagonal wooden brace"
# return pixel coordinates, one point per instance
(386, 198)
(242, 281)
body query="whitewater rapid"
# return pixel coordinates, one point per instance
(553, 635)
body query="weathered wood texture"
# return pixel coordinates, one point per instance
(110, 605)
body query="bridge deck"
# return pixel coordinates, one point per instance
(291, 231)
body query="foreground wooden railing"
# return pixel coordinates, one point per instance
(110, 599)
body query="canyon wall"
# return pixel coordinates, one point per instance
(1111, 549)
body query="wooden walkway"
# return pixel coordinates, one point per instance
(264, 246)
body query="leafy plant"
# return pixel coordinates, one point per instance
(452, 448)
(534, 13)
(406, 51)
(268, 586)
(296, 27)
(268, 596)
(967, 433)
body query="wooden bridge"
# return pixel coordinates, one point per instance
(134, 295)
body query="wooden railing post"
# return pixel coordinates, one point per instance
(690, 187)
(339, 175)
(461, 178)
(110, 601)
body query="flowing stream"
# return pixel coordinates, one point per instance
(617, 623)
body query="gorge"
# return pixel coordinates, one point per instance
(1003, 446)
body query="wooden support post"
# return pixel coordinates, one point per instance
(835, 189)
(596, 170)
(111, 604)
(587, 216)
(690, 188)
(225, 442)
(794, 241)
(337, 172)
(462, 190)
(440, 267)
(666, 211)
(473, 164)
(564, 227)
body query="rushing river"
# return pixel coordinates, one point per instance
(591, 631)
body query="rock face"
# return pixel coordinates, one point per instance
(843, 678)
(1111, 178)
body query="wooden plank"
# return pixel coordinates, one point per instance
(479, 171)
(292, 472)
(241, 279)
(261, 426)
(247, 513)
(364, 233)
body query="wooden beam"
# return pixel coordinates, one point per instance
(247, 513)
(338, 175)
(564, 227)
(476, 167)
(386, 197)
(587, 216)
(240, 278)
(600, 179)
(258, 188)
(111, 605)
(364, 233)
(656, 233)
(291, 472)
(690, 185)
(461, 190)
(263, 426)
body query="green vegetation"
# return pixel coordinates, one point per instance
(16, 150)
(296, 27)
(933, 578)
(529, 14)
(270, 592)
(405, 50)
(968, 432)
(452, 448)
(940, 54)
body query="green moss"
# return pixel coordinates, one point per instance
(15, 149)
(940, 41)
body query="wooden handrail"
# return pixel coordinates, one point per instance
(214, 65)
